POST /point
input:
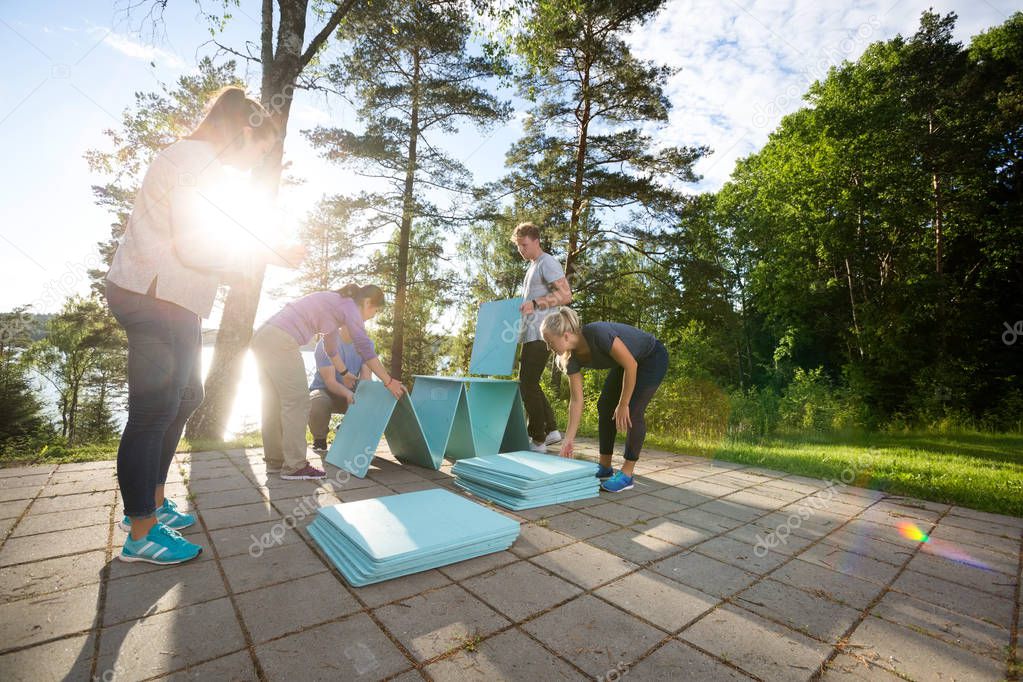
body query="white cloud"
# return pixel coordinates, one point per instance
(746, 63)
(130, 47)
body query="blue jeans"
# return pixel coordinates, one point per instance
(649, 374)
(164, 388)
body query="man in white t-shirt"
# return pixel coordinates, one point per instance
(544, 288)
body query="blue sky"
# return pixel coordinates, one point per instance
(74, 66)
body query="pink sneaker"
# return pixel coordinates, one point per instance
(306, 473)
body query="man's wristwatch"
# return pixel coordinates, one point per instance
(345, 372)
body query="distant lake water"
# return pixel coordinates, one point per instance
(245, 413)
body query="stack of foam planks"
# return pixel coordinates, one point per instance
(526, 479)
(388, 537)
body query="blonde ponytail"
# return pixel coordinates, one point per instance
(564, 320)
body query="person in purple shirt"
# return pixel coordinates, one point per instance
(328, 394)
(282, 376)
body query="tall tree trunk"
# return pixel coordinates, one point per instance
(938, 207)
(405, 231)
(852, 306)
(939, 239)
(580, 174)
(72, 413)
(281, 68)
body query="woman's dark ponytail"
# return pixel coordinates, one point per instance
(369, 292)
(230, 111)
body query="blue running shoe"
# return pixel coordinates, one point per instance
(617, 483)
(168, 515)
(604, 473)
(162, 546)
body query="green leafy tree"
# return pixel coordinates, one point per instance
(83, 356)
(21, 412)
(332, 235)
(413, 78)
(428, 285)
(587, 167)
(877, 232)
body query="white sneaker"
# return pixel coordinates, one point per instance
(537, 447)
(553, 437)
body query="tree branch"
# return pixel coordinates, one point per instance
(317, 42)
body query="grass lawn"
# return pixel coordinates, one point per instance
(977, 470)
(94, 452)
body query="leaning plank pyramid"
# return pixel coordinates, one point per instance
(452, 417)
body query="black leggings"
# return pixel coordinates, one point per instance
(649, 374)
(164, 388)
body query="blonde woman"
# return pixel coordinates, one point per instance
(637, 362)
(177, 249)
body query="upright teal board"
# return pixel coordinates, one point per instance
(436, 401)
(497, 337)
(405, 437)
(490, 403)
(359, 435)
(515, 435)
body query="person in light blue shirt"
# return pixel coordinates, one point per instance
(330, 391)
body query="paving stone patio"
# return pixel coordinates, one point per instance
(706, 571)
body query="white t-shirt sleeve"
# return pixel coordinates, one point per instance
(550, 269)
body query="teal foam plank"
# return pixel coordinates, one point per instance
(527, 469)
(488, 427)
(363, 425)
(406, 439)
(341, 546)
(497, 337)
(359, 577)
(518, 504)
(420, 522)
(590, 483)
(356, 558)
(526, 479)
(515, 435)
(461, 443)
(436, 401)
(489, 405)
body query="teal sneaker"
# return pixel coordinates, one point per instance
(168, 515)
(162, 545)
(604, 473)
(617, 483)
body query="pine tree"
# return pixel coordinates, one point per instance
(586, 168)
(413, 78)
